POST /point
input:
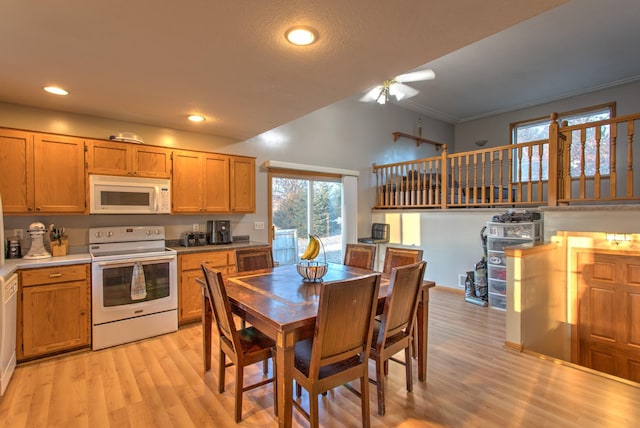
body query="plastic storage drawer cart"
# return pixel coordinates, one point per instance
(500, 236)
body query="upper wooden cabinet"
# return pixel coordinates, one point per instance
(243, 184)
(41, 173)
(16, 164)
(116, 158)
(200, 182)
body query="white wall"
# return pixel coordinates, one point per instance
(495, 129)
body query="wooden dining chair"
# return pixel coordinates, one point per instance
(254, 258)
(395, 257)
(360, 255)
(393, 331)
(337, 355)
(243, 347)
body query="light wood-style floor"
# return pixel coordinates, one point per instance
(472, 381)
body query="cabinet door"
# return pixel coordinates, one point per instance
(149, 161)
(55, 318)
(108, 157)
(187, 183)
(190, 296)
(59, 174)
(243, 185)
(16, 164)
(216, 188)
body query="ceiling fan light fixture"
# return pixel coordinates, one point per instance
(301, 36)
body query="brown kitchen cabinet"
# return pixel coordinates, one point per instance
(54, 314)
(200, 182)
(189, 269)
(118, 158)
(242, 184)
(42, 173)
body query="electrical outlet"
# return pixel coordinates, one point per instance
(259, 225)
(18, 233)
(196, 227)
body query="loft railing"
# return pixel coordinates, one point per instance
(577, 164)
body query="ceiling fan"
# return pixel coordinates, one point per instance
(396, 87)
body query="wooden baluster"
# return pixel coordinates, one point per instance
(566, 169)
(483, 174)
(510, 182)
(613, 175)
(554, 187)
(459, 189)
(492, 166)
(530, 181)
(630, 129)
(583, 178)
(467, 178)
(540, 179)
(500, 174)
(520, 155)
(596, 175)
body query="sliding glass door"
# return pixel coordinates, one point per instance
(302, 205)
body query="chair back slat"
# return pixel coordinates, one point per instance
(395, 257)
(360, 255)
(254, 258)
(221, 307)
(344, 323)
(401, 304)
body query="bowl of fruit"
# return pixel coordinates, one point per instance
(309, 269)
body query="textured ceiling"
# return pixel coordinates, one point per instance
(155, 62)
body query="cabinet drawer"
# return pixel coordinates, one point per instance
(497, 258)
(53, 275)
(497, 287)
(213, 258)
(516, 230)
(498, 272)
(497, 301)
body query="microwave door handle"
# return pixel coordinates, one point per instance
(121, 263)
(156, 202)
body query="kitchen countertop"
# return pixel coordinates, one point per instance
(11, 265)
(221, 247)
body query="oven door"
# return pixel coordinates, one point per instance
(133, 287)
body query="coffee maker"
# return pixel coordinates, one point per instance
(219, 232)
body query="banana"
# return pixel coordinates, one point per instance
(316, 248)
(311, 248)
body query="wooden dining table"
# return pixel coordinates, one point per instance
(279, 304)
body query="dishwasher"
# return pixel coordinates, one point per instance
(8, 309)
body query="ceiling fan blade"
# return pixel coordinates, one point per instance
(416, 76)
(372, 94)
(402, 91)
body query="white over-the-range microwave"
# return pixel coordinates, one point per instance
(129, 195)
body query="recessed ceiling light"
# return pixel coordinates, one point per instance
(301, 36)
(55, 90)
(196, 118)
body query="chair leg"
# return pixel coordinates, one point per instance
(222, 361)
(314, 419)
(298, 390)
(364, 398)
(238, 392)
(265, 367)
(380, 372)
(408, 367)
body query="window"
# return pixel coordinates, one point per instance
(302, 205)
(535, 163)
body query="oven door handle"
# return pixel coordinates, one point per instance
(118, 263)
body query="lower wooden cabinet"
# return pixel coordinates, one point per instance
(189, 269)
(54, 312)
